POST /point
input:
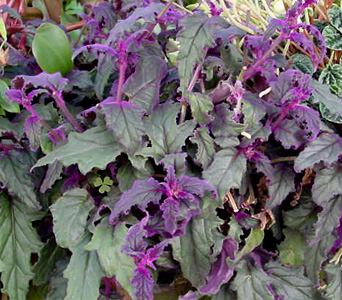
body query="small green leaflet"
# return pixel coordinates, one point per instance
(205, 146)
(104, 184)
(254, 239)
(3, 30)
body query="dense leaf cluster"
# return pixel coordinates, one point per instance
(162, 152)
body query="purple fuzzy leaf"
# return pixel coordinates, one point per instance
(135, 242)
(308, 119)
(171, 211)
(263, 165)
(282, 185)
(143, 283)
(142, 87)
(289, 134)
(33, 131)
(142, 192)
(154, 252)
(221, 272)
(327, 148)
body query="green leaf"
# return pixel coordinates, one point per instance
(142, 88)
(167, 137)
(290, 282)
(200, 105)
(84, 272)
(235, 230)
(328, 183)
(108, 241)
(10, 107)
(254, 240)
(281, 186)
(226, 171)
(70, 214)
(291, 250)
(328, 218)
(98, 182)
(315, 255)
(334, 288)
(15, 175)
(94, 148)
(322, 95)
(317, 150)
(125, 122)
(3, 30)
(18, 240)
(196, 33)
(49, 255)
(194, 249)
(7, 126)
(333, 33)
(58, 284)
(52, 50)
(330, 116)
(127, 175)
(107, 181)
(205, 146)
(303, 63)
(104, 189)
(332, 76)
(225, 293)
(251, 282)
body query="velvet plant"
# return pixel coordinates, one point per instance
(171, 150)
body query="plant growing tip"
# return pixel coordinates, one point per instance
(52, 50)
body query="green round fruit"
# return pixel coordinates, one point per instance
(52, 50)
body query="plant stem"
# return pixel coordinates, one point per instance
(57, 95)
(122, 71)
(283, 159)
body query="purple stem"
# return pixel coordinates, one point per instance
(108, 288)
(57, 95)
(274, 45)
(122, 71)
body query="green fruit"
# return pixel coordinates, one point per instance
(52, 50)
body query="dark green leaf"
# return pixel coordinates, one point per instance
(58, 284)
(70, 214)
(196, 34)
(15, 175)
(143, 86)
(108, 241)
(49, 255)
(332, 76)
(226, 171)
(18, 240)
(334, 288)
(10, 107)
(205, 146)
(303, 63)
(251, 282)
(254, 240)
(290, 282)
(84, 272)
(94, 148)
(200, 105)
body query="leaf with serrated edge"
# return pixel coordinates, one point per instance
(328, 183)
(205, 146)
(327, 147)
(49, 255)
(254, 240)
(328, 218)
(251, 282)
(15, 175)
(290, 282)
(125, 122)
(142, 87)
(94, 148)
(334, 288)
(226, 171)
(84, 272)
(291, 250)
(70, 214)
(166, 136)
(200, 105)
(283, 184)
(18, 239)
(108, 241)
(196, 33)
